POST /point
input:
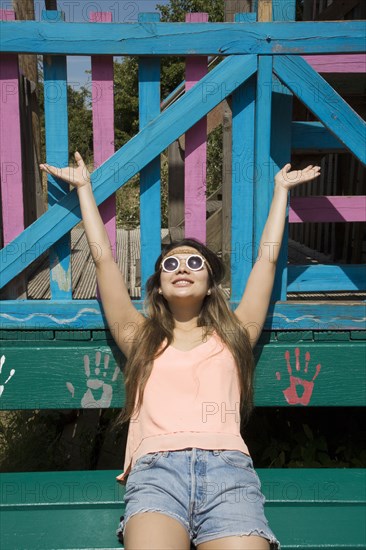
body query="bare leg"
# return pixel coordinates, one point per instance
(155, 531)
(251, 542)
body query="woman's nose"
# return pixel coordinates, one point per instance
(183, 266)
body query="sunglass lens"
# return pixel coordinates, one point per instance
(195, 263)
(170, 263)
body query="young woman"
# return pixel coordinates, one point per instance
(189, 384)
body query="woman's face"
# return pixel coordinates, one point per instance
(184, 282)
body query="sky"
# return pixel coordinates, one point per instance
(77, 11)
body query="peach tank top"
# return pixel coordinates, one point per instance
(191, 399)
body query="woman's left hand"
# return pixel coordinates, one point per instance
(288, 180)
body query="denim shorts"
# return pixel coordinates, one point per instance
(213, 494)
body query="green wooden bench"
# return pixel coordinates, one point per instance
(307, 508)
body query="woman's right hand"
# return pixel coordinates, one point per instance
(78, 177)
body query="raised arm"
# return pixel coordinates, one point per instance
(253, 307)
(123, 318)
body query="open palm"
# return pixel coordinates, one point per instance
(77, 177)
(290, 179)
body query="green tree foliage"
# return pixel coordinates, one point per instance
(80, 123)
(176, 10)
(125, 100)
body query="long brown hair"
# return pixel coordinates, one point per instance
(158, 327)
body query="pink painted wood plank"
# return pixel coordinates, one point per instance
(10, 145)
(103, 122)
(195, 152)
(328, 209)
(7, 15)
(345, 63)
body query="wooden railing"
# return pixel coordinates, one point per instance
(261, 85)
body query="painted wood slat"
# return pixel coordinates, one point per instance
(150, 205)
(263, 184)
(10, 145)
(264, 10)
(241, 174)
(324, 102)
(243, 105)
(122, 252)
(242, 196)
(284, 11)
(316, 315)
(184, 38)
(126, 162)
(57, 154)
(281, 155)
(321, 278)
(277, 483)
(338, 63)
(313, 136)
(70, 371)
(103, 123)
(134, 263)
(328, 209)
(294, 496)
(87, 314)
(281, 146)
(195, 151)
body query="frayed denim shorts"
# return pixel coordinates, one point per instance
(213, 494)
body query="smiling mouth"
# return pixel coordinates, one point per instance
(182, 282)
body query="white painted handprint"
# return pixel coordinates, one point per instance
(12, 372)
(96, 383)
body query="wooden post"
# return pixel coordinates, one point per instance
(34, 204)
(11, 159)
(264, 10)
(243, 142)
(175, 185)
(281, 148)
(103, 124)
(308, 10)
(195, 153)
(231, 7)
(150, 205)
(263, 185)
(57, 154)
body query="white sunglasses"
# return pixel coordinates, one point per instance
(194, 262)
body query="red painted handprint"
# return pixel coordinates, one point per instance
(298, 385)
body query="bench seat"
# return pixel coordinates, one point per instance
(306, 508)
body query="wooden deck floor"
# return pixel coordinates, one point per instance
(128, 253)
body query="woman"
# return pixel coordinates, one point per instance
(188, 378)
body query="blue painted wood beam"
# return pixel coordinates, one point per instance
(263, 178)
(325, 278)
(243, 109)
(150, 207)
(57, 154)
(243, 125)
(276, 38)
(125, 163)
(284, 11)
(281, 155)
(324, 102)
(281, 146)
(313, 136)
(88, 315)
